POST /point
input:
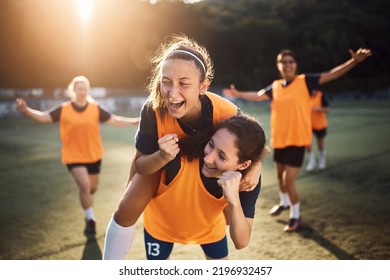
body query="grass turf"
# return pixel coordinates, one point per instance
(345, 208)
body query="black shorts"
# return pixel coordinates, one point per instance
(161, 250)
(291, 155)
(92, 168)
(320, 133)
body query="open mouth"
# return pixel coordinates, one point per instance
(176, 104)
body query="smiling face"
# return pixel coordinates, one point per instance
(181, 88)
(221, 154)
(81, 91)
(287, 67)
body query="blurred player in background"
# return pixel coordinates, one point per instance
(291, 130)
(82, 151)
(319, 124)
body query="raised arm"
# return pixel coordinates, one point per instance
(356, 57)
(248, 95)
(39, 116)
(240, 227)
(149, 164)
(120, 121)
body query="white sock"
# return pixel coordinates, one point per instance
(284, 198)
(295, 211)
(118, 241)
(322, 153)
(89, 214)
(311, 156)
(287, 201)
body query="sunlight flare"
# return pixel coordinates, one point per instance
(85, 8)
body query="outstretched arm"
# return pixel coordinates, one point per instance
(248, 95)
(356, 57)
(240, 227)
(120, 121)
(39, 116)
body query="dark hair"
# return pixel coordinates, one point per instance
(250, 135)
(250, 142)
(283, 53)
(192, 147)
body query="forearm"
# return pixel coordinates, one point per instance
(120, 121)
(251, 179)
(253, 95)
(42, 117)
(240, 227)
(338, 71)
(149, 164)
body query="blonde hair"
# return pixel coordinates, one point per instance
(72, 84)
(178, 47)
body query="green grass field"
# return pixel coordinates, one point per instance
(345, 208)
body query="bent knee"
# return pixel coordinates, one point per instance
(125, 218)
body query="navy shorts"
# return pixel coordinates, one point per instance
(291, 155)
(161, 250)
(92, 168)
(320, 133)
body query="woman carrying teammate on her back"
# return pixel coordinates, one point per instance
(198, 184)
(179, 99)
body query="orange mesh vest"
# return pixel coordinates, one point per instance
(184, 211)
(80, 134)
(291, 114)
(222, 110)
(318, 119)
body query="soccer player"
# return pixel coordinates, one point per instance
(291, 130)
(319, 124)
(82, 151)
(197, 185)
(178, 99)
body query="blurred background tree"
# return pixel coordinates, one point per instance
(46, 43)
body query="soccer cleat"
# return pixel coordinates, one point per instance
(90, 227)
(292, 225)
(277, 209)
(322, 163)
(311, 165)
